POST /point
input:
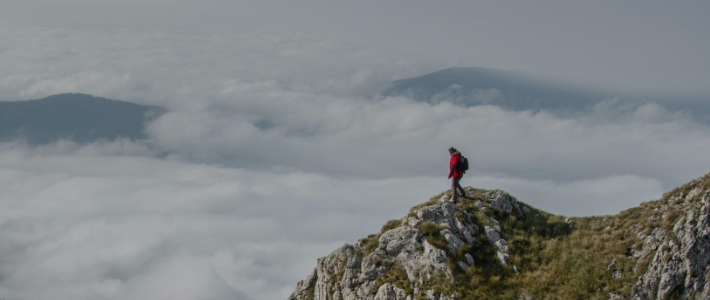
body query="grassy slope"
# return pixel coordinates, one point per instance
(556, 259)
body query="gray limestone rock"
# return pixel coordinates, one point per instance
(303, 285)
(502, 257)
(427, 264)
(464, 266)
(613, 296)
(453, 241)
(369, 270)
(504, 202)
(468, 237)
(398, 239)
(651, 242)
(403, 245)
(440, 214)
(680, 260)
(345, 260)
(611, 265)
(492, 234)
(525, 209)
(570, 222)
(502, 245)
(469, 259)
(356, 276)
(390, 292)
(433, 295)
(675, 261)
(413, 221)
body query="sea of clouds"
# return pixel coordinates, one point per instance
(275, 151)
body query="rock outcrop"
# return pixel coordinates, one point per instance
(352, 272)
(491, 246)
(679, 258)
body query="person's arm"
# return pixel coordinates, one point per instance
(452, 167)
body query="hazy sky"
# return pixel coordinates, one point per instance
(653, 46)
(273, 153)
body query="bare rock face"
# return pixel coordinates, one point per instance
(390, 292)
(504, 202)
(349, 273)
(679, 263)
(403, 244)
(668, 255)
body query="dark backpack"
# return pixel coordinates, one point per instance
(463, 165)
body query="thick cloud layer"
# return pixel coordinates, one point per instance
(274, 153)
(87, 226)
(97, 227)
(400, 137)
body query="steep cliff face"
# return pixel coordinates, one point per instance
(679, 255)
(492, 246)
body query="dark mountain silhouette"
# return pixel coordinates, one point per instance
(512, 90)
(78, 117)
(518, 91)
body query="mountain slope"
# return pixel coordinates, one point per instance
(519, 91)
(491, 246)
(512, 90)
(79, 117)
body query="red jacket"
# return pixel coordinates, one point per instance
(455, 160)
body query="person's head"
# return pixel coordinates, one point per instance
(452, 150)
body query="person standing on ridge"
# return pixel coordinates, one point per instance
(457, 167)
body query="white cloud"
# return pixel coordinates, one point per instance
(86, 227)
(399, 137)
(174, 69)
(309, 161)
(600, 196)
(266, 100)
(99, 83)
(92, 227)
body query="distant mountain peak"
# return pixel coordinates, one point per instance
(79, 117)
(491, 246)
(472, 86)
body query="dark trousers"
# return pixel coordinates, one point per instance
(454, 186)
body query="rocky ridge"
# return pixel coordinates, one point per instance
(492, 246)
(678, 257)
